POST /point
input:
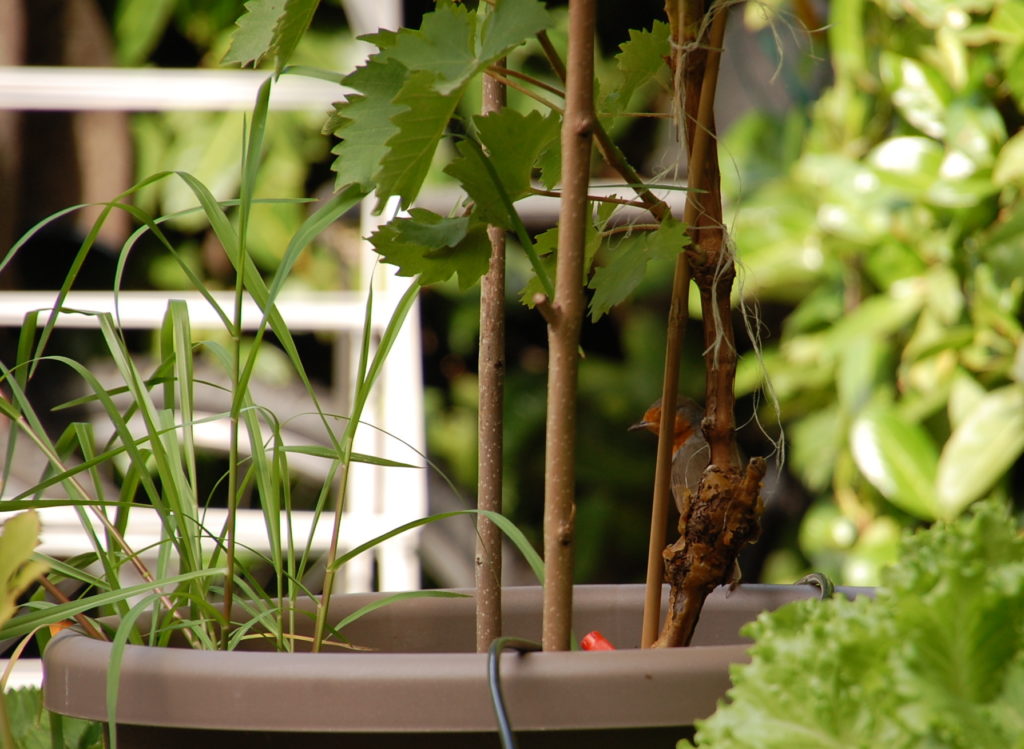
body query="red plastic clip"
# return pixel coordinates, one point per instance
(595, 641)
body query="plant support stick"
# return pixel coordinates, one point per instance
(564, 321)
(677, 317)
(489, 429)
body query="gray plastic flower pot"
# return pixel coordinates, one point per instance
(422, 685)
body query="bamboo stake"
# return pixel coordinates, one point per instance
(678, 316)
(490, 426)
(565, 318)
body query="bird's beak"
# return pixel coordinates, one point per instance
(640, 425)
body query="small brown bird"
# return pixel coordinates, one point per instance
(690, 452)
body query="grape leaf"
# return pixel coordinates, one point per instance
(513, 142)
(619, 278)
(290, 29)
(420, 124)
(363, 122)
(443, 45)
(640, 61)
(550, 163)
(270, 27)
(446, 44)
(546, 247)
(409, 91)
(254, 35)
(435, 248)
(511, 23)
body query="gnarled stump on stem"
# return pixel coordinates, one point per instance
(723, 518)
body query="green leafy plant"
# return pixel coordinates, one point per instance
(34, 727)
(198, 581)
(18, 571)
(935, 659)
(405, 106)
(887, 213)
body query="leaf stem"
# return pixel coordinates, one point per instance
(592, 198)
(612, 153)
(523, 90)
(630, 228)
(509, 72)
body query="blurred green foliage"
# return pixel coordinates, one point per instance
(208, 144)
(895, 230)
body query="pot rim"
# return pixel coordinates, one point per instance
(434, 691)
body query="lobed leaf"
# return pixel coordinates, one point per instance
(290, 28)
(254, 37)
(619, 278)
(434, 248)
(641, 60)
(420, 125)
(514, 142)
(454, 45)
(443, 45)
(270, 28)
(363, 121)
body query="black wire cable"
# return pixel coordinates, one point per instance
(820, 581)
(508, 739)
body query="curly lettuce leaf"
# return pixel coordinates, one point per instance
(936, 659)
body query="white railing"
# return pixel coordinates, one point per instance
(378, 498)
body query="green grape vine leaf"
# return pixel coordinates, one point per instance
(270, 28)
(619, 278)
(435, 248)
(420, 125)
(364, 123)
(513, 141)
(403, 127)
(450, 44)
(641, 60)
(546, 247)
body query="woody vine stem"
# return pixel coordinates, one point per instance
(725, 514)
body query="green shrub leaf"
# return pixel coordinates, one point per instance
(899, 459)
(514, 142)
(988, 440)
(420, 124)
(628, 266)
(446, 42)
(641, 60)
